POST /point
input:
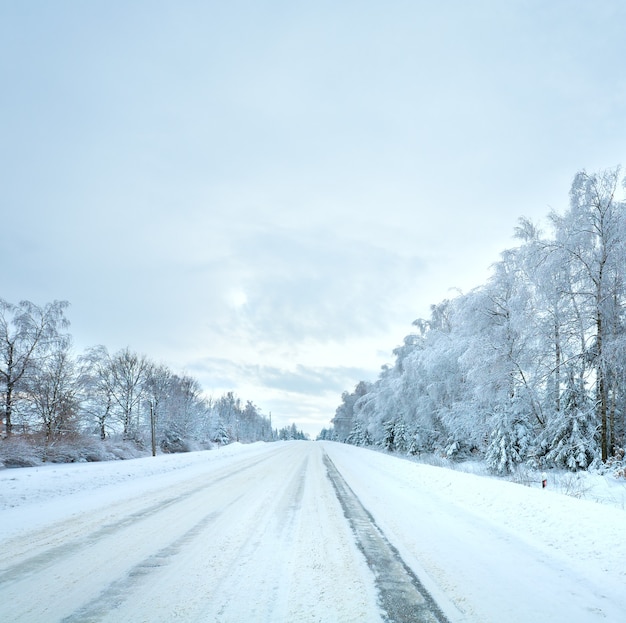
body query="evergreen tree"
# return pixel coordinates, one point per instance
(573, 437)
(510, 440)
(221, 436)
(401, 439)
(389, 439)
(359, 435)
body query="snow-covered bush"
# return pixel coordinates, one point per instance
(18, 452)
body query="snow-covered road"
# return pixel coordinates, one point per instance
(258, 537)
(300, 531)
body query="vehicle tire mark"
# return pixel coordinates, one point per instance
(117, 592)
(402, 596)
(277, 526)
(40, 561)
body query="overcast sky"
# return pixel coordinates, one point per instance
(266, 194)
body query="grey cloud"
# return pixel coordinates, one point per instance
(305, 380)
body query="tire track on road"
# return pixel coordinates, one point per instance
(274, 527)
(118, 591)
(51, 555)
(401, 594)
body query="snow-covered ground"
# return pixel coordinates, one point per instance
(256, 533)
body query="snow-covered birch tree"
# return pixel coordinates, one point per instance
(27, 332)
(591, 234)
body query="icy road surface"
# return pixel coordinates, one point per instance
(297, 532)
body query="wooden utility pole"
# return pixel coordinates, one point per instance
(153, 428)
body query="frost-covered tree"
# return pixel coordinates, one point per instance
(291, 433)
(344, 415)
(326, 434)
(184, 406)
(511, 439)
(485, 373)
(359, 435)
(221, 436)
(28, 333)
(97, 386)
(243, 423)
(228, 411)
(388, 441)
(254, 425)
(591, 233)
(129, 374)
(54, 392)
(158, 389)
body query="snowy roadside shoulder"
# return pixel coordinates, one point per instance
(608, 487)
(37, 485)
(586, 533)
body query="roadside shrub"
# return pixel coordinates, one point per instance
(18, 452)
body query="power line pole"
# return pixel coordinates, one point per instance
(153, 427)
